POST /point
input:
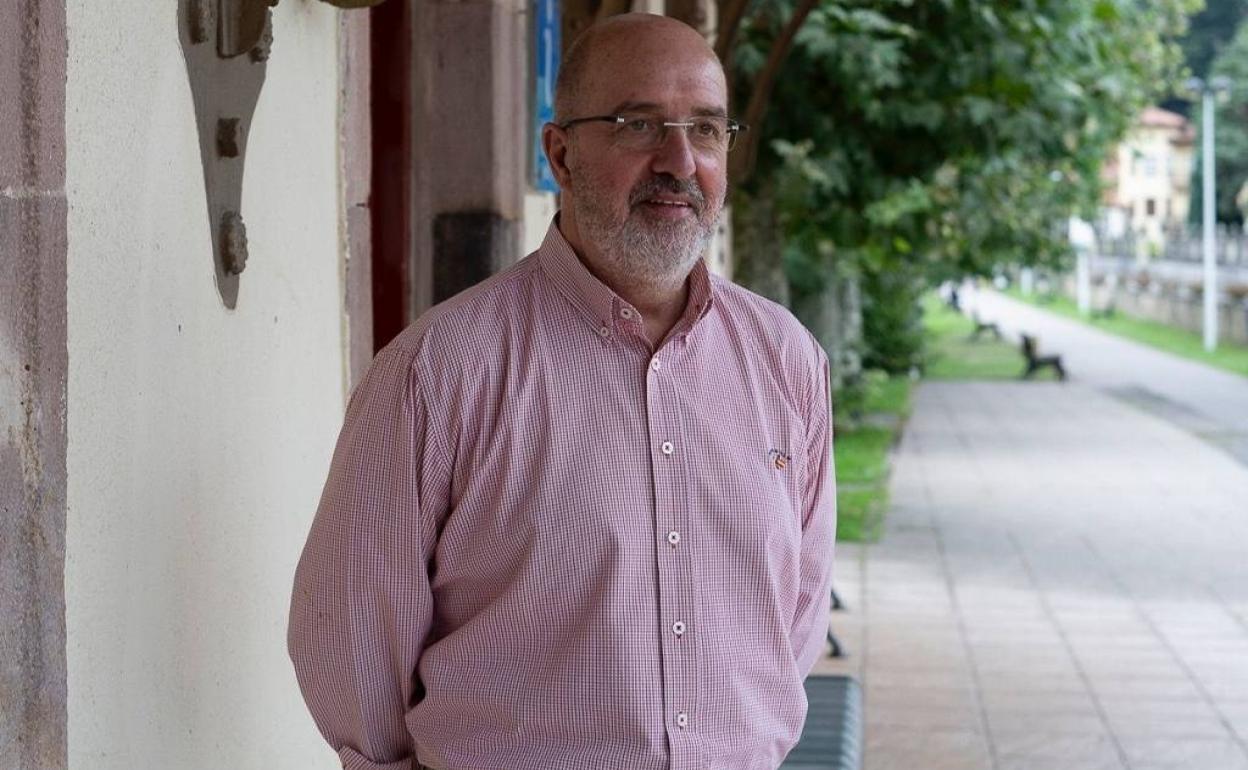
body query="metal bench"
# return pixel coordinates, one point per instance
(1036, 362)
(832, 736)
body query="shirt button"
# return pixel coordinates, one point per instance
(604, 330)
(673, 537)
(656, 364)
(678, 628)
(682, 719)
(627, 313)
(667, 448)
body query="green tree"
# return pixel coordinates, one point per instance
(1209, 32)
(909, 141)
(1230, 132)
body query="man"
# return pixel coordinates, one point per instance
(581, 515)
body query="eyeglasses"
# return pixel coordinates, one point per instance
(641, 132)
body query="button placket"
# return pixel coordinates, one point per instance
(677, 579)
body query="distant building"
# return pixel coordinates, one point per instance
(1148, 177)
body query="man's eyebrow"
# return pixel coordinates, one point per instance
(634, 107)
(698, 112)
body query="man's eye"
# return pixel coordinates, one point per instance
(708, 129)
(637, 125)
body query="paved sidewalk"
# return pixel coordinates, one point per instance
(1063, 585)
(1203, 400)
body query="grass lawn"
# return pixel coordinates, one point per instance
(862, 449)
(1181, 342)
(953, 355)
(861, 453)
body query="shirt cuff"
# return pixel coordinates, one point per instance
(354, 760)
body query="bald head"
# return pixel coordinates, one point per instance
(610, 46)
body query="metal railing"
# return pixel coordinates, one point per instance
(1179, 245)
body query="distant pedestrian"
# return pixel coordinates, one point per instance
(582, 515)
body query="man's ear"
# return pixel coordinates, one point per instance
(555, 145)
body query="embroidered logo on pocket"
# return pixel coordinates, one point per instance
(779, 459)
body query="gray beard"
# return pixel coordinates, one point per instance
(656, 254)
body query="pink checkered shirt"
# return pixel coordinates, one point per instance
(544, 545)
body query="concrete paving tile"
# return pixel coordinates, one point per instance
(876, 677)
(1084, 642)
(924, 716)
(1169, 688)
(1039, 703)
(985, 470)
(1050, 723)
(897, 748)
(1236, 713)
(1037, 630)
(1059, 751)
(1033, 683)
(1127, 668)
(885, 697)
(1098, 762)
(991, 667)
(1225, 688)
(1179, 728)
(1092, 644)
(1172, 718)
(1168, 753)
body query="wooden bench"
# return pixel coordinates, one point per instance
(832, 736)
(1037, 362)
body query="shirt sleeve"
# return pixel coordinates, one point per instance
(814, 601)
(361, 606)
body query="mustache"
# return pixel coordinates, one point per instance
(666, 183)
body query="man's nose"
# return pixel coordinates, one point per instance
(675, 154)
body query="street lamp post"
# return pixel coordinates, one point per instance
(1208, 92)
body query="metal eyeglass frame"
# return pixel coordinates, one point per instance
(734, 127)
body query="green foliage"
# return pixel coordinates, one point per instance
(1210, 31)
(910, 141)
(1230, 133)
(892, 321)
(862, 456)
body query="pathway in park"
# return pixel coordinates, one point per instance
(1206, 401)
(1063, 581)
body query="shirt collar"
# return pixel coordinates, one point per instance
(595, 300)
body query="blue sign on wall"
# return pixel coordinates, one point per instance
(546, 52)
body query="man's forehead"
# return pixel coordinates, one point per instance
(628, 80)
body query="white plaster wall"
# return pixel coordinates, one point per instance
(199, 437)
(539, 210)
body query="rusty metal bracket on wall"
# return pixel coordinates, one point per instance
(227, 44)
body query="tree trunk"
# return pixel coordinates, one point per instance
(834, 316)
(758, 246)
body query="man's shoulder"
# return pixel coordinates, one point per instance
(469, 322)
(769, 324)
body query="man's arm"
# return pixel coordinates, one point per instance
(361, 605)
(810, 623)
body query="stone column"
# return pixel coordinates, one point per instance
(470, 134)
(33, 367)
